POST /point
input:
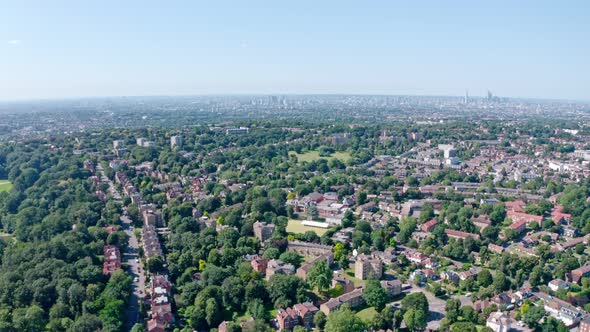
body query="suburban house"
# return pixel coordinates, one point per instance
(499, 322)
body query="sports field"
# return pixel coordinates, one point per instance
(295, 226)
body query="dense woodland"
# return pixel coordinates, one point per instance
(51, 273)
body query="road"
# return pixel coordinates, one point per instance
(130, 258)
(135, 269)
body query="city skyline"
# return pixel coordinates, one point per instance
(525, 50)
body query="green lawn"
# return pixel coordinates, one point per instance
(315, 155)
(295, 226)
(5, 185)
(367, 314)
(349, 274)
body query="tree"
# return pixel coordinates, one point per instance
(271, 253)
(112, 314)
(469, 314)
(338, 251)
(155, 264)
(407, 227)
(312, 212)
(31, 319)
(375, 295)
(452, 308)
(553, 325)
(533, 316)
(320, 275)
(415, 319)
(257, 310)
(417, 301)
(344, 320)
(285, 290)
(291, 257)
(463, 327)
(320, 319)
(212, 312)
(87, 323)
(484, 278)
(233, 293)
(500, 282)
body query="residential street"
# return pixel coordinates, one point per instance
(131, 258)
(135, 269)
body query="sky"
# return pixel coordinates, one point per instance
(65, 49)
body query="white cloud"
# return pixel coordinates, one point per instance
(14, 42)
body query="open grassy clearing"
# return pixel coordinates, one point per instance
(295, 226)
(367, 314)
(5, 185)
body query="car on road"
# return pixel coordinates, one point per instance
(137, 260)
(136, 279)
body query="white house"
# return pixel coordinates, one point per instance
(499, 322)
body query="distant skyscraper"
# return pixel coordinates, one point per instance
(466, 101)
(176, 141)
(490, 95)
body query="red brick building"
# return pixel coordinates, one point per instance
(112, 259)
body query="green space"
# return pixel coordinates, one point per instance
(295, 226)
(5, 185)
(349, 274)
(367, 314)
(315, 155)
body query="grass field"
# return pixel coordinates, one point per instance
(315, 155)
(5, 185)
(295, 226)
(367, 314)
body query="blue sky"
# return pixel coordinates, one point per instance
(54, 49)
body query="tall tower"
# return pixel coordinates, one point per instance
(466, 100)
(176, 141)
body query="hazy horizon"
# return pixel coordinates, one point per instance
(64, 50)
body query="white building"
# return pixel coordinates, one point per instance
(557, 284)
(118, 143)
(448, 150)
(176, 141)
(499, 322)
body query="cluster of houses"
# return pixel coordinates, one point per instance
(327, 206)
(112, 259)
(161, 316)
(419, 163)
